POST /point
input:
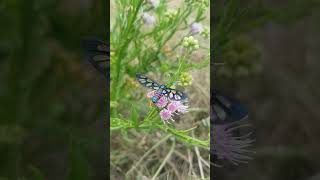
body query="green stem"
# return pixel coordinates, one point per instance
(125, 34)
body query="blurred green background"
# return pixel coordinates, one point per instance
(272, 65)
(52, 101)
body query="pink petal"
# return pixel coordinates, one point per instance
(181, 107)
(165, 114)
(162, 102)
(172, 107)
(151, 94)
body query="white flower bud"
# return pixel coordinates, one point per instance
(196, 27)
(148, 19)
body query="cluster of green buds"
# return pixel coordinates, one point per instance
(190, 42)
(185, 79)
(171, 14)
(241, 57)
(205, 33)
(202, 4)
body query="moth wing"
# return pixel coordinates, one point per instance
(227, 108)
(98, 54)
(147, 82)
(174, 95)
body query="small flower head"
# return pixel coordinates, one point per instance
(177, 106)
(172, 107)
(181, 107)
(154, 3)
(242, 59)
(228, 146)
(162, 102)
(169, 107)
(165, 114)
(185, 79)
(205, 33)
(190, 42)
(196, 28)
(148, 19)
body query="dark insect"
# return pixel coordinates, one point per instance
(160, 89)
(227, 140)
(226, 109)
(98, 54)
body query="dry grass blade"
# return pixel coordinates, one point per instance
(147, 153)
(164, 161)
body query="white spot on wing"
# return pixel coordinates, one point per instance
(177, 97)
(100, 57)
(142, 80)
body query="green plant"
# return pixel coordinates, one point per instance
(138, 47)
(157, 40)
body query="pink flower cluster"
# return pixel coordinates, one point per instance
(169, 107)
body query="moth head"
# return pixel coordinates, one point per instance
(154, 99)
